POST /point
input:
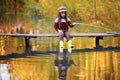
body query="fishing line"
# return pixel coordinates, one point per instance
(92, 25)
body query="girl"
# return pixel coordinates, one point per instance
(61, 26)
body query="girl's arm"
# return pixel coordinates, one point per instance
(70, 23)
(56, 27)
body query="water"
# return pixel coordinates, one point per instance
(42, 60)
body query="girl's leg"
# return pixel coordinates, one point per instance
(67, 35)
(61, 38)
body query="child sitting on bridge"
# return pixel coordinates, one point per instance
(61, 24)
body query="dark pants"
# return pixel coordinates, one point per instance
(64, 34)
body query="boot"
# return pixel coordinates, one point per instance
(61, 44)
(70, 44)
(69, 50)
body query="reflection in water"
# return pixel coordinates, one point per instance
(62, 64)
(85, 62)
(76, 66)
(4, 74)
(25, 66)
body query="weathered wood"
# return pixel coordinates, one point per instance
(98, 36)
(72, 35)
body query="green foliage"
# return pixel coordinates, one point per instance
(107, 12)
(33, 11)
(10, 10)
(83, 10)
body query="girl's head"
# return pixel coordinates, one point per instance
(62, 12)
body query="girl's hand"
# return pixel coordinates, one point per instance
(60, 31)
(74, 23)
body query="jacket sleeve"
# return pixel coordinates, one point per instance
(56, 27)
(70, 23)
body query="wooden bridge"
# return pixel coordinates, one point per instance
(98, 36)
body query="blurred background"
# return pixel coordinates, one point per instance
(37, 17)
(39, 14)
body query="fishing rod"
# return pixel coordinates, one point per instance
(85, 24)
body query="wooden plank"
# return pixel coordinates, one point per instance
(56, 35)
(94, 35)
(30, 35)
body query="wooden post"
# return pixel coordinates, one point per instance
(97, 41)
(27, 42)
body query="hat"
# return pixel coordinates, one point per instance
(62, 9)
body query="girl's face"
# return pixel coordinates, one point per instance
(62, 14)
